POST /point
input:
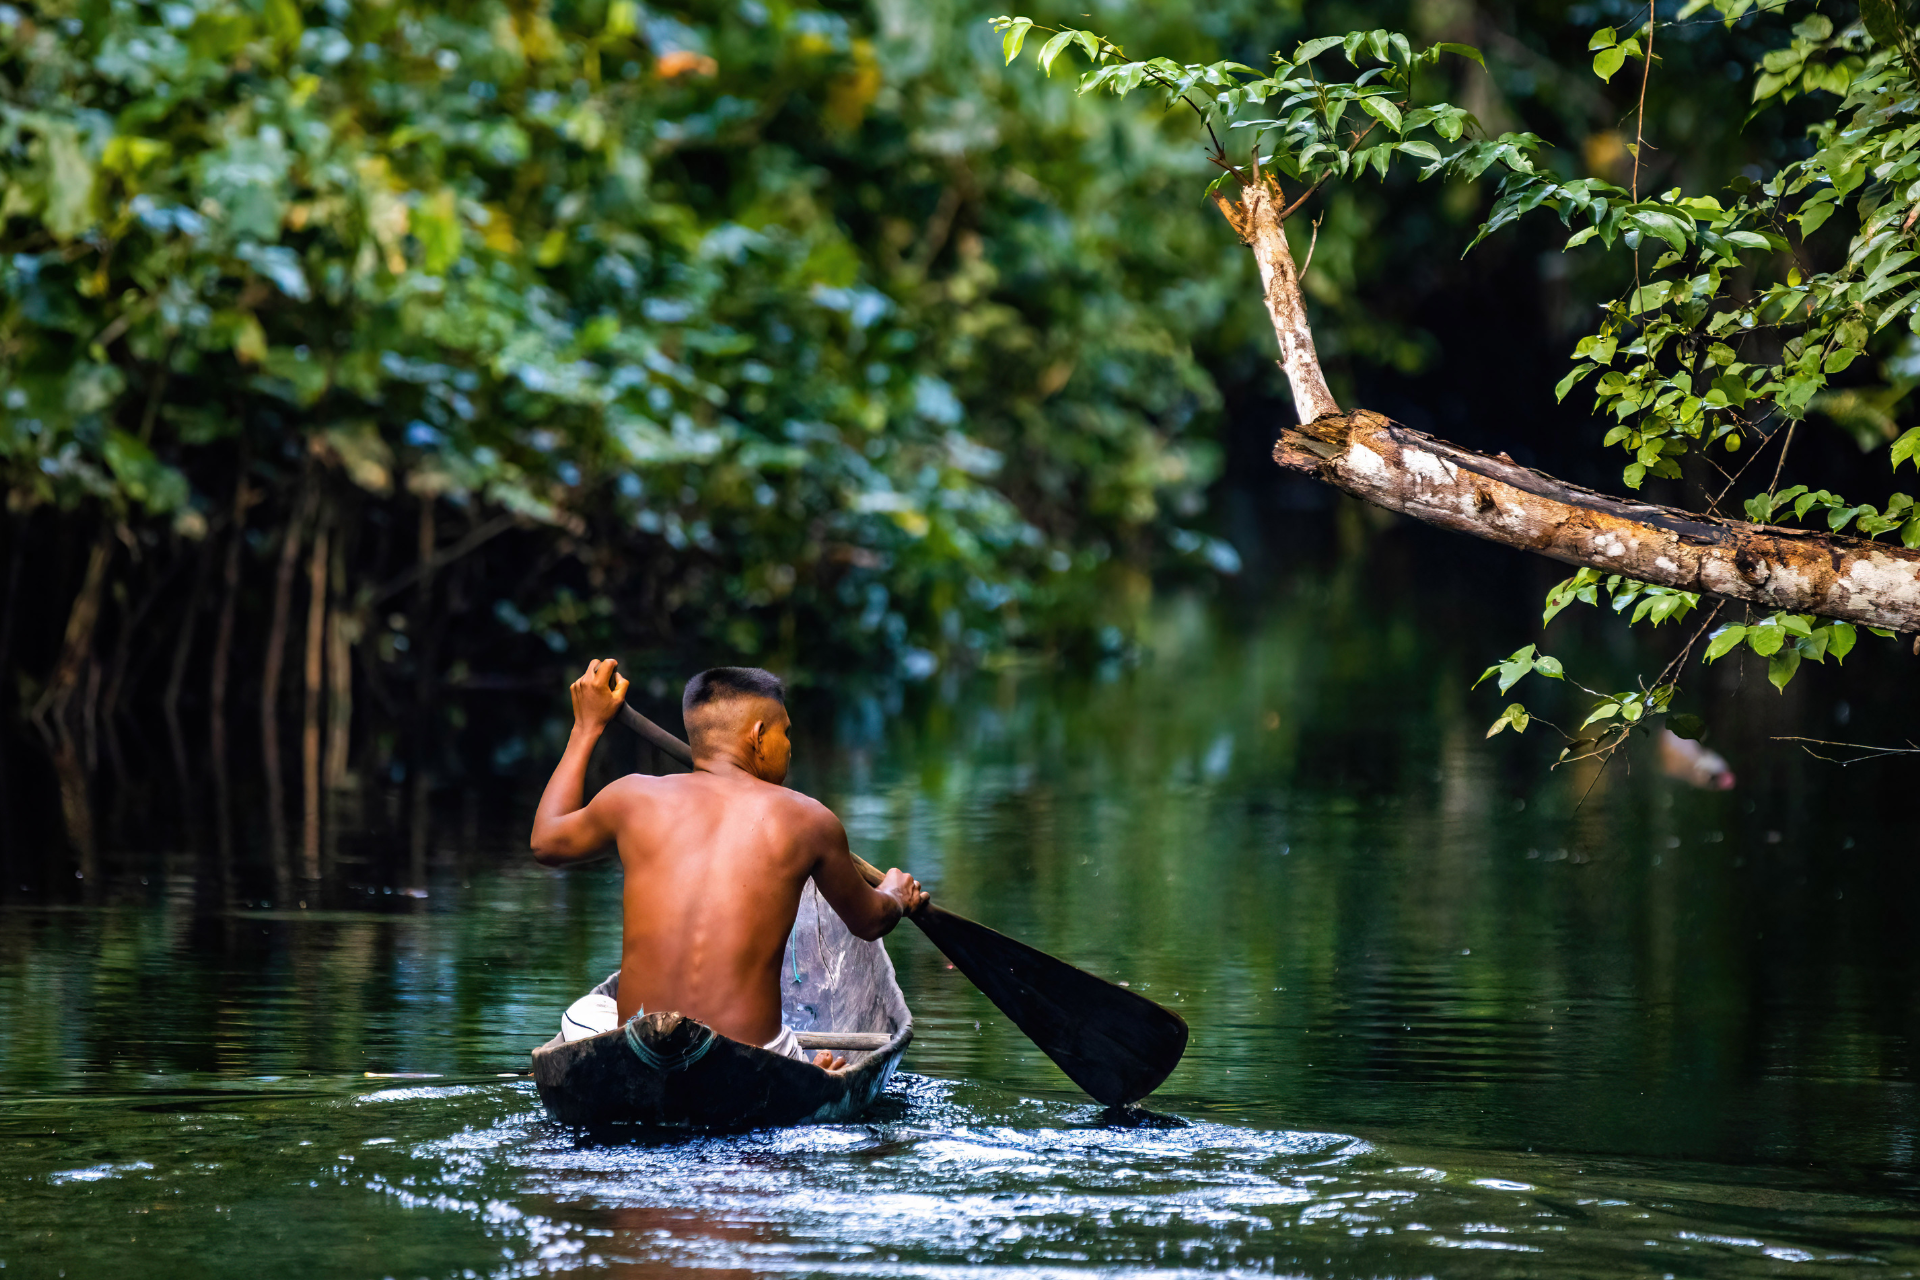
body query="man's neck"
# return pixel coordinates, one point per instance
(725, 763)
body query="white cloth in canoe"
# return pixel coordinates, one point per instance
(599, 1011)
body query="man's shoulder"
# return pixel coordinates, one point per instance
(803, 811)
(637, 786)
(801, 806)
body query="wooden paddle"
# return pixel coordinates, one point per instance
(1116, 1045)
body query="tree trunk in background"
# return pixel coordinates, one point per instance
(217, 679)
(76, 648)
(275, 663)
(16, 556)
(183, 646)
(343, 631)
(223, 631)
(76, 801)
(422, 636)
(126, 656)
(310, 721)
(1365, 455)
(421, 630)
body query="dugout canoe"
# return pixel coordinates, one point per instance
(836, 992)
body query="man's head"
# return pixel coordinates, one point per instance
(739, 712)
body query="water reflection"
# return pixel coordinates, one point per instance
(1453, 1014)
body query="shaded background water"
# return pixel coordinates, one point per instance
(1453, 1013)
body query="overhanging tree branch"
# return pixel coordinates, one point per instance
(1796, 570)
(1373, 459)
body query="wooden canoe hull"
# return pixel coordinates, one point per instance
(675, 1072)
(599, 1080)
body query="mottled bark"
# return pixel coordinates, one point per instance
(1365, 455)
(1798, 570)
(1256, 217)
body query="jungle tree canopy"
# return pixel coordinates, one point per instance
(765, 326)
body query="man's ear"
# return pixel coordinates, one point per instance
(756, 735)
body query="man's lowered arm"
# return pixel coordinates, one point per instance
(867, 912)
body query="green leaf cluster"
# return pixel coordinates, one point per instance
(1304, 112)
(726, 308)
(1610, 52)
(1650, 603)
(1784, 639)
(1631, 707)
(1519, 664)
(1899, 513)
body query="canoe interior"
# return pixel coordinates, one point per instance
(831, 984)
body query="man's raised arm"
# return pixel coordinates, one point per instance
(867, 912)
(563, 830)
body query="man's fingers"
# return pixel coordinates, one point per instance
(620, 684)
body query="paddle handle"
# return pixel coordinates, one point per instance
(680, 751)
(653, 733)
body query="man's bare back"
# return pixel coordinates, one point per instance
(715, 860)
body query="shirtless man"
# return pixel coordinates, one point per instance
(715, 860)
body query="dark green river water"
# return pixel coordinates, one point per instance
(1448, 1018)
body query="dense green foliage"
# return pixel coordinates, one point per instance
(770, 328)
(1736, 321)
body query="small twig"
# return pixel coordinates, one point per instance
(1713, 504)
(1687, 648)
(1639, 130)
(1640, 116)
(1310, 244)
(1773, 486)
(1872, 752)
(1598, 774)
(1753, 12)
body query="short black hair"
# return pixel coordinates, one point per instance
(719, 683)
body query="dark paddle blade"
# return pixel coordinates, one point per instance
(1116, 1045)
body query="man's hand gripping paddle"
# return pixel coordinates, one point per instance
(1116, 1045)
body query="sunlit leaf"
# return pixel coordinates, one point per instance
(1724, 640)
(1052, 50)
(1515, 716)
(1014, 39)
